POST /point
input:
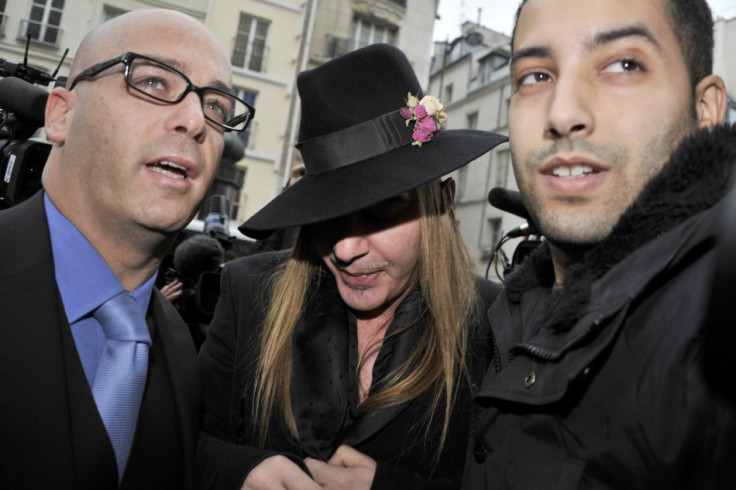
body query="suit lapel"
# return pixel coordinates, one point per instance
(181, 363)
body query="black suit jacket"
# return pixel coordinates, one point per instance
(51, 435)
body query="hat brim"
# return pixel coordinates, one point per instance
(321, 197)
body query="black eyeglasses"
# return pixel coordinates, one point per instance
(161, 82)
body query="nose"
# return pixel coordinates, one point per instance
(350, 242)
(188, 116)
(570, 109)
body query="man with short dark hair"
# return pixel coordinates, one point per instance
(618, 150)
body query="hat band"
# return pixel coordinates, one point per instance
(356, 143)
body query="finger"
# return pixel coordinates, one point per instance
(349, 457)
(278, 473)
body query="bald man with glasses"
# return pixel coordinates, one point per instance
(98, 381)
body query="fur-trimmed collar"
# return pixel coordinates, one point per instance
(695, 178)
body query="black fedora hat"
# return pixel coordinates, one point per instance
(357, 145)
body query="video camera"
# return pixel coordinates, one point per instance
(22, 108)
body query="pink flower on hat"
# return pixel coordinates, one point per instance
(428, 115)
(421, 136)
(427, 124)
(420, 111)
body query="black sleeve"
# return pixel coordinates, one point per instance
(222, 463)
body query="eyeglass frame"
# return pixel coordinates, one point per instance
(127, 59)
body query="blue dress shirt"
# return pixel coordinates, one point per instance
(85, 281)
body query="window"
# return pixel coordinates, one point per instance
(494, 226)
(2, 17)
(109, 13)
(44, 20)
(364, 32)
(250, 43)
(448, 94)
(473, 120)
(502, 168)
(462, 173)
(249, 97)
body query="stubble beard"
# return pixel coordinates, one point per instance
(576, 230)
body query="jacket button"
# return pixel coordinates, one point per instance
(479, 453)
(530, 379)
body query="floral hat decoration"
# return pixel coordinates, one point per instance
(367, 133)
(427, 114)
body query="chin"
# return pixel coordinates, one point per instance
(586, 232)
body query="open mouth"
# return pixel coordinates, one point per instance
(169, 169)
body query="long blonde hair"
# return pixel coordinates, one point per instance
(446, 281)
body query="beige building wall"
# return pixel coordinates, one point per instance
(412, 24)
(272, 86)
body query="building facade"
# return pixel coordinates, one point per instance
(471, 76)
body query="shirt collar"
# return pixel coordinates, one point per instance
(84, 279)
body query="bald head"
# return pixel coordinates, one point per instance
(135, 31)
(128, 169)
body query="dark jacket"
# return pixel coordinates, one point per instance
(600, 384)
(324, 391)
(51, 435)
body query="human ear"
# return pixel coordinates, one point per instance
(710, 101)
(57, 115)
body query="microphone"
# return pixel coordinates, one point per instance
(217, 219)
(524, 230)
(511, 202)
(23, 99)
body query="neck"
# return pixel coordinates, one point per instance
(132, 253)
(563, 257)
(370, 338)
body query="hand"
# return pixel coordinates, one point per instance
(347, 469)
(172, 290)
(278, 473)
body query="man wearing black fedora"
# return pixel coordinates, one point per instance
(345, 362)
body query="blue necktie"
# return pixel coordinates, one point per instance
(121, 373)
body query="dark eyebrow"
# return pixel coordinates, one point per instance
(636, 30)
(532, 52)
(598, 40)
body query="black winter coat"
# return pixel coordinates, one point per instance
(600, 385)
(324, 389)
